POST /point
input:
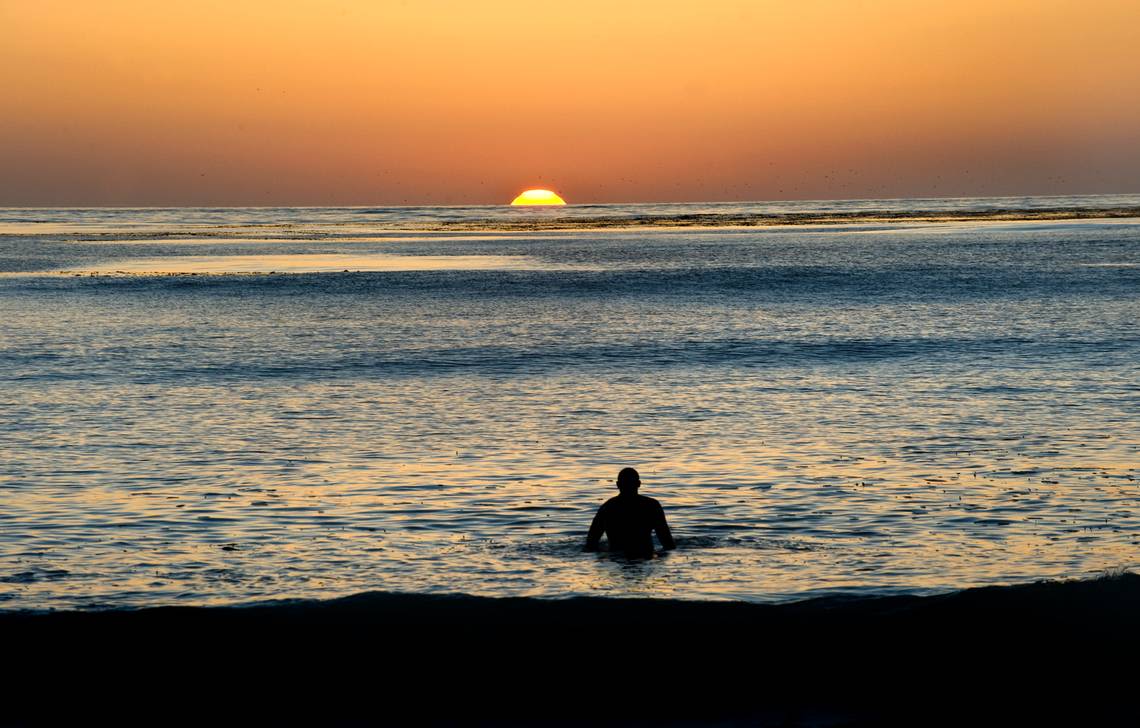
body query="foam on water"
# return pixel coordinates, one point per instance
(298, 263)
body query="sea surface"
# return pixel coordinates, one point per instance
(220, 406)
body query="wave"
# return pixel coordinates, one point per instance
(520, 360)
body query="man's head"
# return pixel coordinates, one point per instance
(628, 481)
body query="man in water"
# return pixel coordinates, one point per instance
(629, 520)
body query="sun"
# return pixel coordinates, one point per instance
(538, 197)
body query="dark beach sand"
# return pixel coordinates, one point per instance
(1046, 653)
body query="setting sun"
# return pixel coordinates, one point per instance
(538, 197)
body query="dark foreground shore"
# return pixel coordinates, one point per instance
(1056, 653)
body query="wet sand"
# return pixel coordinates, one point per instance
(1041, 653)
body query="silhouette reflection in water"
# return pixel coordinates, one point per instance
(628, 520)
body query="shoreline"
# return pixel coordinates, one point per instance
(981, 656)
(440, 607)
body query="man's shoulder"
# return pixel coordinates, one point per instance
(625, 501)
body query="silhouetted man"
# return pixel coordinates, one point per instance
(629, 520)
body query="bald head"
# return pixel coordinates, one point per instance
(628, 480)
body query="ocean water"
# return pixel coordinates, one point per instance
(216, 406)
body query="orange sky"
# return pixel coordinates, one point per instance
(364, 102)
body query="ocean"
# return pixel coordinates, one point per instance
(222, 406)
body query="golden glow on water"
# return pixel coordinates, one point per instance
(537, 197)
(303, 263)
(305, 494)
(305, 498)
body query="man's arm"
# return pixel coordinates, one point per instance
(664, 535)
(597, 528)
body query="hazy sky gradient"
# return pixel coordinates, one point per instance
(119, 102)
